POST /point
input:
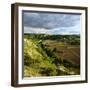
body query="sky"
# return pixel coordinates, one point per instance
(51, 23)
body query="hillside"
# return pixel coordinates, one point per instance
(41, 57)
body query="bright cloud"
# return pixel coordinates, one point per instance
(35, 30)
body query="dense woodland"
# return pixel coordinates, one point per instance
(51, 55)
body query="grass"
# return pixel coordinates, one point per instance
(50, 57)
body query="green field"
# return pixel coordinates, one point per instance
(51, 55)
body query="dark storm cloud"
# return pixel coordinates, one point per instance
(49, 20)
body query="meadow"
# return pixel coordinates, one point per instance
(51, 55)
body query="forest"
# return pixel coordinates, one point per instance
(51, 55)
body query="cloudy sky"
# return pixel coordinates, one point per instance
(51, 23)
